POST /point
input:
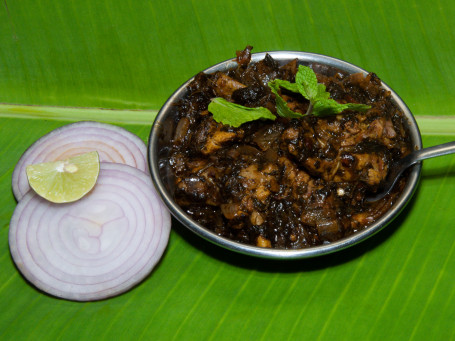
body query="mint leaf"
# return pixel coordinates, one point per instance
(277, 83)
(322, 93)
(307, 83)
(235, 114)
(282, 108)
(329, 106)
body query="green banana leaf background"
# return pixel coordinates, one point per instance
(118, 61)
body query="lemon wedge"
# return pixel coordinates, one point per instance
(67, 180)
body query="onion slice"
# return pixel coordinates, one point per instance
(94, 248)
(113, 144)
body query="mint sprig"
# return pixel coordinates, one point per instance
(307, 85)
(235, 114)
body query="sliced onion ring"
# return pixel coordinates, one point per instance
(94, 248)
(113, 143)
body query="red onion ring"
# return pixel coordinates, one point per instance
(113, 143)
(94, 248)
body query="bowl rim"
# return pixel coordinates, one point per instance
(272, 253)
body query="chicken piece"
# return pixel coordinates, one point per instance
(294, 138)
(324, 168)
(184, 166)
(194, 189)
(388, 130)
(216, 141)
(369, 168)
(372, 168)
(290, 134)
(257, 183)
(244, 56)
(263, 242)
(226, 85)
(256, 218)
(212, 136)
(232, 211)
(362, 219)
(298, 184)
(199, 185)
(380, 129)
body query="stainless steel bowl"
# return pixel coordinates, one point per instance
(162, 132)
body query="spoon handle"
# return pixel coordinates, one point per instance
(409, 160)
(419, 155)
(439, 150)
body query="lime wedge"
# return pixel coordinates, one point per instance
(67, 180)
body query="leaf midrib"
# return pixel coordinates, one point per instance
(429, 125)
(139, 117)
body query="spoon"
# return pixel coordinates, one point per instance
(407, 161)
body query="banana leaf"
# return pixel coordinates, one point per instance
(118, 61)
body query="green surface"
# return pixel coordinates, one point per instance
(131, 55)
